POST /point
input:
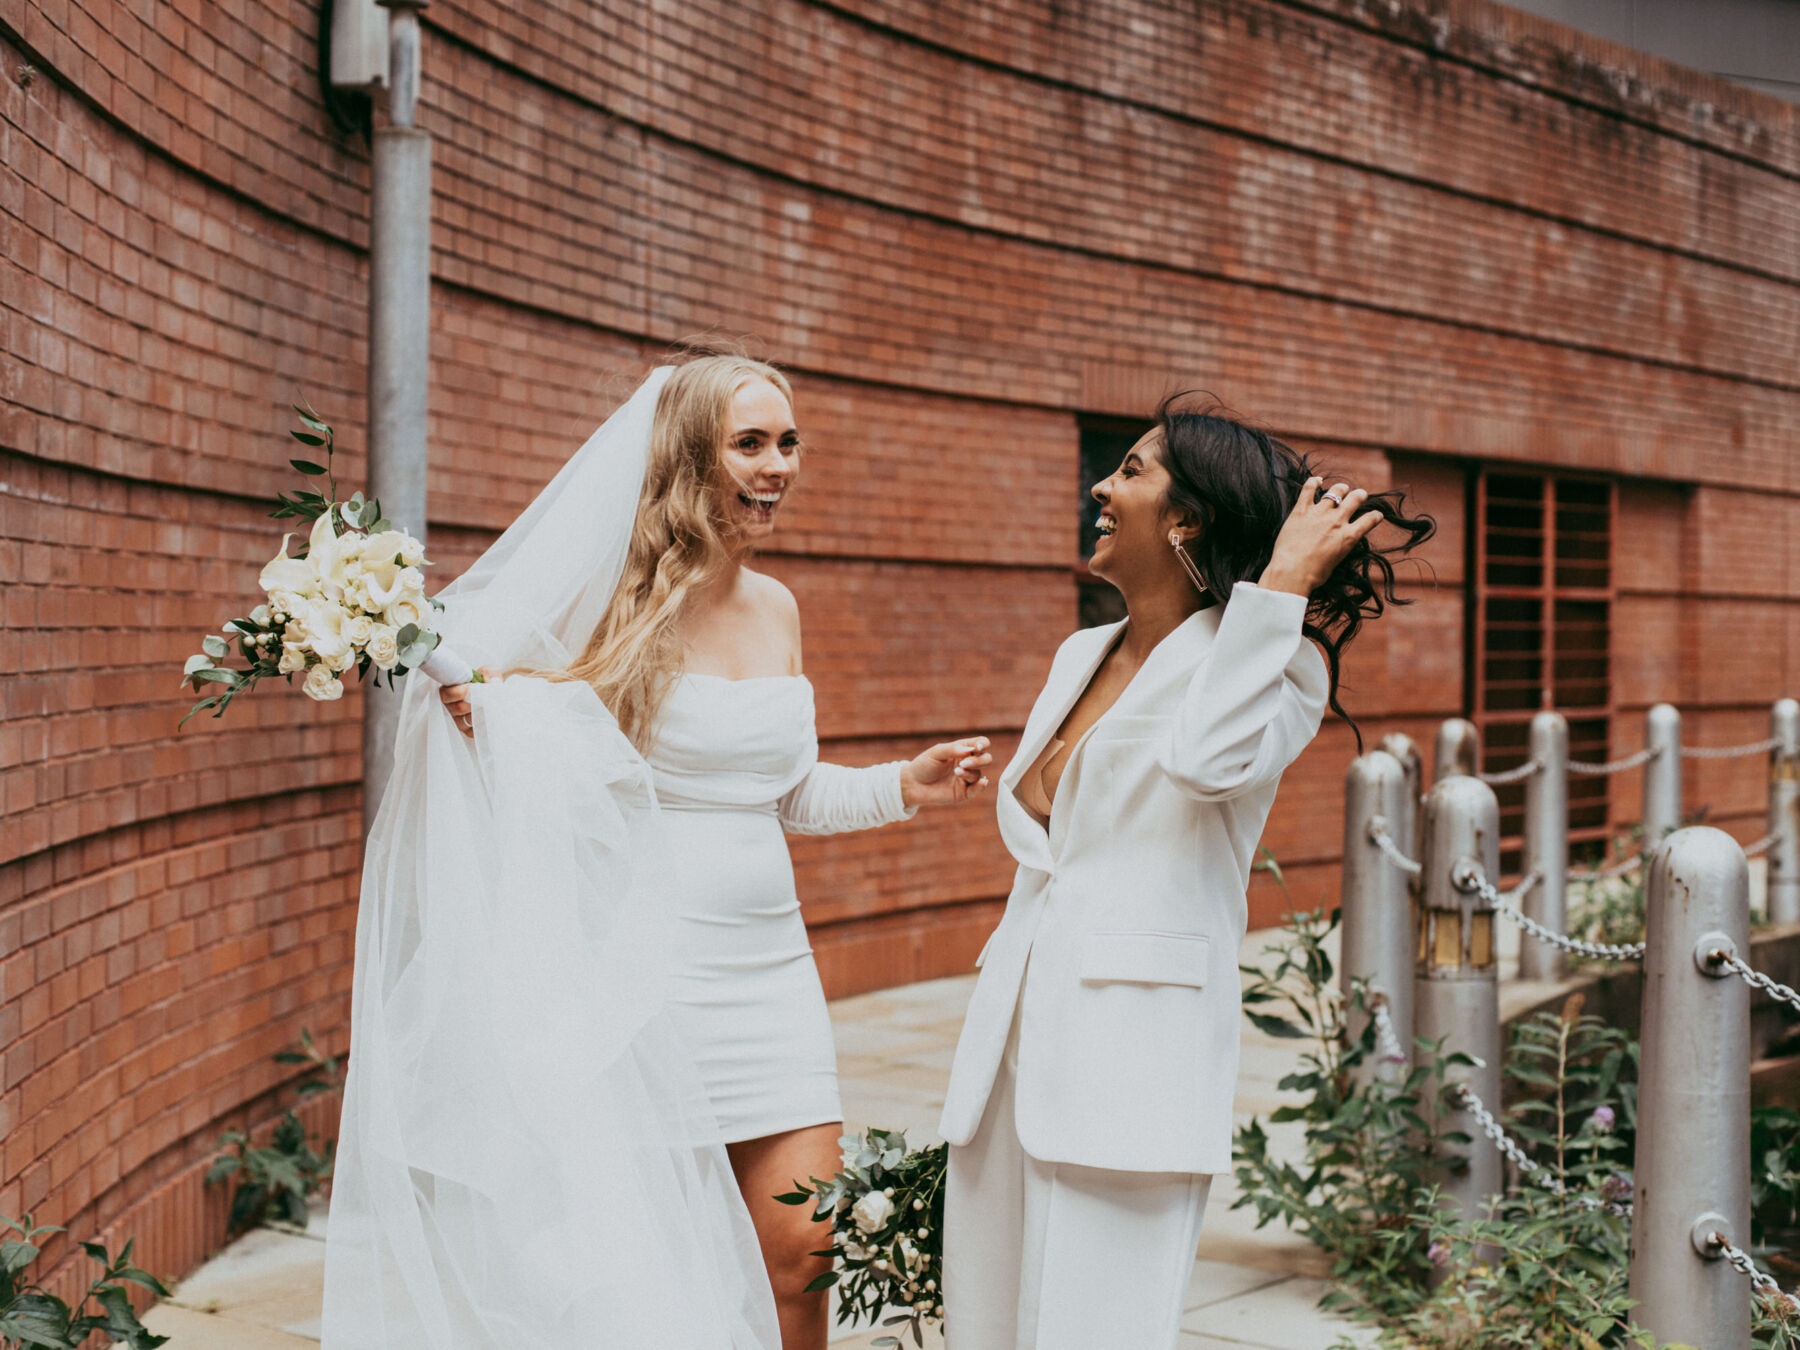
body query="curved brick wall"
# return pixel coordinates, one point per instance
(1408, 241)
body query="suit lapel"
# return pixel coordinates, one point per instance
(1158, 685)
(1024, 837)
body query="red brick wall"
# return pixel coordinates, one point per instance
(1410, 237)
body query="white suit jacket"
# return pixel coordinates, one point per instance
(1118, 947)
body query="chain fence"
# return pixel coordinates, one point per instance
(1527, 1165)
(1763, 1285)
(1598, 768)
(1618, 869)
(1761, 747)
(1469, 877)
(1754, 978)
(1517, 774)
(1387, 1041)
(1391, 851)
(1590, 769)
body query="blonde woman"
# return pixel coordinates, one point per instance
(691, 661)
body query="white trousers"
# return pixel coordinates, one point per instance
(1050, 1256)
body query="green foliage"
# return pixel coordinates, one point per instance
(1774, 1173)
(274, 1183)
(1367, 1157)
(886, 1211)
(1611, 910)
(32, 1317)
(1537, 1268)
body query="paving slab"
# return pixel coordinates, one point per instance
(190, 1330)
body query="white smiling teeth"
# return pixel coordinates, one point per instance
(1105, 524)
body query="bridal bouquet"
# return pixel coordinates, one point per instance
(353, 596)
(886, 1211)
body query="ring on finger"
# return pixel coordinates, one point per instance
(1334, 499)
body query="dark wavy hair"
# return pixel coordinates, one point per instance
(1241, 483)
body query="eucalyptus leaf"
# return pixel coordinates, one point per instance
(215, 647)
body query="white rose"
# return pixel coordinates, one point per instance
(286, 602)
(293, 660)
(412, 552)
(359, 630)
(411, 581)
(383, 647)
(407, 609)
(322, 685)
(340, 661)
(872, 1212)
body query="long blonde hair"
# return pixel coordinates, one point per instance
(677, 543)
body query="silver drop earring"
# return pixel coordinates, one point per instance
(1186, 562)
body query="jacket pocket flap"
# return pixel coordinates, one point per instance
(1146, 958)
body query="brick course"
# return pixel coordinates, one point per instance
(1412, 238)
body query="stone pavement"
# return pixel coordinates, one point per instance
(1250, 1290)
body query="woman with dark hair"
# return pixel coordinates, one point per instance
(1090, 1101)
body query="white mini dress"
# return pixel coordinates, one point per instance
(737, 768)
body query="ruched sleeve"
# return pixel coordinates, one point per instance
(834, 799)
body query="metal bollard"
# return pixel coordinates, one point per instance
(1662, 774)
(1456, 995)
(1693, 1141)
(1547, 846)
(1784, 813)
(1378, 910)
(1405, 749)
(1458, 750)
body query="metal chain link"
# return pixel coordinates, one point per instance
(1608, 873)
(1503, 903)
(1644, 756)
(1517, 774)
(1764, 1285)
(1754, 978)
(1496, 1132)
(1391, 851)
(1387, 1042)
(1729, 751)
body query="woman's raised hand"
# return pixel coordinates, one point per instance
(1317, 535)
(947, 773)
(456, 699)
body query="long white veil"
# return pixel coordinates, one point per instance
(526, 1156)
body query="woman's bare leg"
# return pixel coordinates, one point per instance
(769, 1167)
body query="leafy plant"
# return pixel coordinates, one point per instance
(275, 1182)
(1545, 1265)
(30, 1316)
(886, 1211)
